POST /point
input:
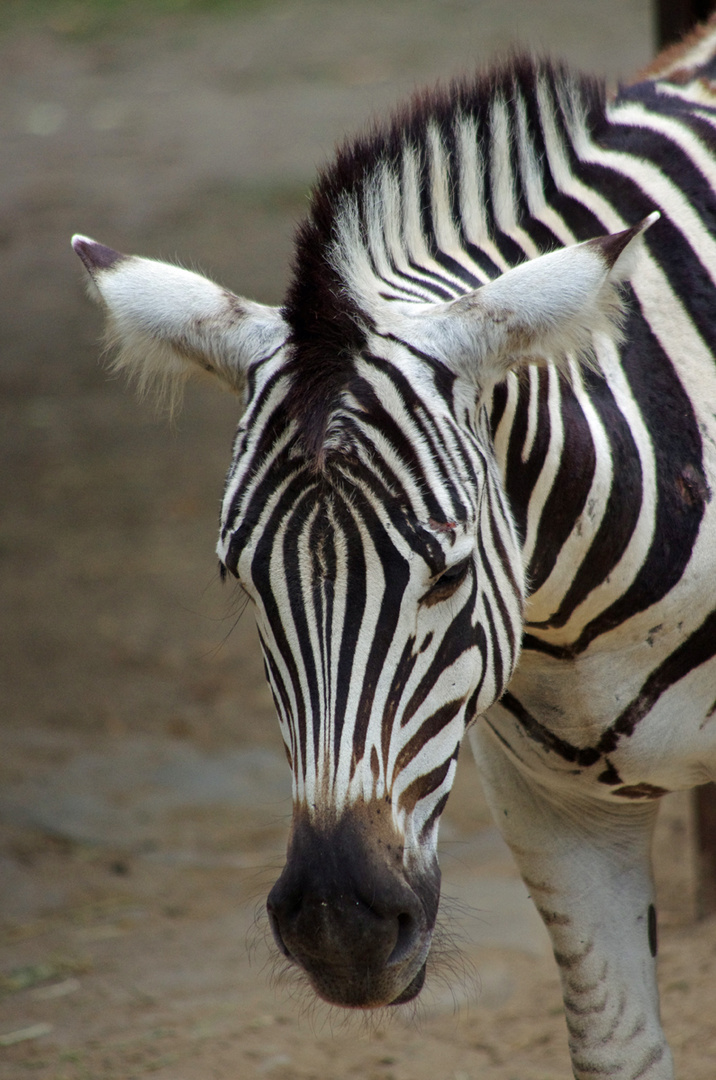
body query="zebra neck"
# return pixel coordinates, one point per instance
(575, 503)
(455, 194)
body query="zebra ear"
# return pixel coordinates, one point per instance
(544, 309)
(170, 324)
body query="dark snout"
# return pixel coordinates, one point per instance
(346, 911)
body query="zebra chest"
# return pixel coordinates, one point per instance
(616, 721)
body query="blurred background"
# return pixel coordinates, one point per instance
(143, 789)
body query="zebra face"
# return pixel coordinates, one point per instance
(364, 516)
(389, 616)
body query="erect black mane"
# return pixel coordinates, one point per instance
(327, 327)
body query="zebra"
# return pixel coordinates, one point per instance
(471, 496)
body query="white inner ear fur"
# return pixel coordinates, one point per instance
(547, 308)
(169, 324)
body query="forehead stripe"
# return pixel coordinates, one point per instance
(427, 429)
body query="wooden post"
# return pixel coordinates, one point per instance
(675, 17)
(705, 817)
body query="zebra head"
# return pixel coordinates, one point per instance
(365, 517)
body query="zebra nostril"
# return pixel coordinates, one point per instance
(405, 941)
(276, 931)
(283, 908)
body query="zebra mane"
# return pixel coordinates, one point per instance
(461, 170)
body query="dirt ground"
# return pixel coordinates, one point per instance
(143, 790)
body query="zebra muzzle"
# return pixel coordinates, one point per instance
(349, 916)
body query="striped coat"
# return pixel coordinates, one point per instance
(471, 491)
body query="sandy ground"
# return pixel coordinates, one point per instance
(143, 790)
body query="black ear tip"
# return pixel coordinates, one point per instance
(95, 256)
(611, 246)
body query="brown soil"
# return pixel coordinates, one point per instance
(143, 791)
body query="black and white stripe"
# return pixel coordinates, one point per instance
(599, 470)
(473, 481)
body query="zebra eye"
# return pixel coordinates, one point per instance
(448, 583)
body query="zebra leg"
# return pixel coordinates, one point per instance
(587, 866)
